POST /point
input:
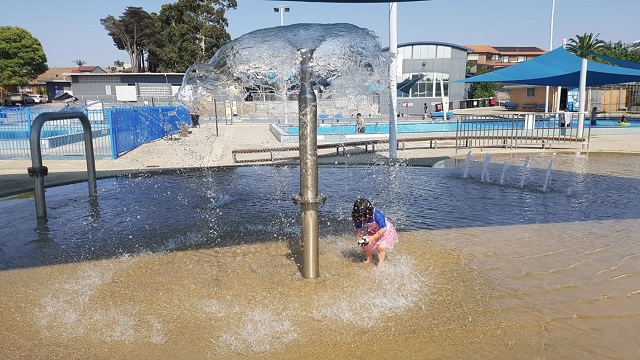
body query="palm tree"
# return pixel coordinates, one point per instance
(79, 62)
(584, 44)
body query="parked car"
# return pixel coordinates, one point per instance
(19, 99)
(39, 98)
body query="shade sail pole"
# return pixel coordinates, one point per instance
(393, 87)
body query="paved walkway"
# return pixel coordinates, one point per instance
(203, 148)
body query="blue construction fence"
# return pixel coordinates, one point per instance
(115, 130)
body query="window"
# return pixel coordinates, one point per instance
(160, 90)
(531, 92)
(405, 52)
(447, 52)
(99, 79)
(505, 59)
(418, 51)
(431, 52)
(495, 57)
(427, 86)
(522, 58)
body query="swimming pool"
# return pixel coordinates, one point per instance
(421, 127)
(20, 133)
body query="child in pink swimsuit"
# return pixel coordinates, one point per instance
(380, 232)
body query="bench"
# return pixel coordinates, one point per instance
(440, 114)
(529, 106)
(541, 107)
(281, 149)
(510, 105)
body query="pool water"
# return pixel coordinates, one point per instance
(12, 133)
(422, 127)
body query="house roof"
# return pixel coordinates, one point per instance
(483, 49)
(558, 68)
(523, 50)
(90, 69)
(53, 74)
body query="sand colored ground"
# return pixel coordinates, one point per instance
(469, 293)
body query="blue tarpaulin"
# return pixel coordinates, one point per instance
(558, 68)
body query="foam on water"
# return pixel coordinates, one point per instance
(389, 290)
(68, 310)
(260, 331)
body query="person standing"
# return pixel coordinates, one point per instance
(360, 124)
(594, 115)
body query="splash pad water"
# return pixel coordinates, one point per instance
(199, 265)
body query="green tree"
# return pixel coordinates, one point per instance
(22, 57)
(189, 31)
(620, 51)
(79, 62)
(133, 33)
(584, 44)
(482, 89)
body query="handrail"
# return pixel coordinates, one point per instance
(37, 171)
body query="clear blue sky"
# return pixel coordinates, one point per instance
(70, 29)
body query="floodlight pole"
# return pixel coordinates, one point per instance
(393, 86)
(546, 96)
(281, 9)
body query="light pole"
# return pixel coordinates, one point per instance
(546, 98)
(281, 9)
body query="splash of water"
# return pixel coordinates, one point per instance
(347, 60)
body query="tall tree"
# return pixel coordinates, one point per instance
(482, 90)
(22, 57)
(190, 31)
(79, 62)
(584, 44)
(132, 32)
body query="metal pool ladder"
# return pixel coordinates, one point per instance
(37, 171)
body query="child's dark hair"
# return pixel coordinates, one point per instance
(362, 210)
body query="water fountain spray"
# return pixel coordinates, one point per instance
(347, 63)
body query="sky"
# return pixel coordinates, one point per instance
(70, 29)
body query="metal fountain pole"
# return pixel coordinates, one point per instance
(308, 198)
(393, 85)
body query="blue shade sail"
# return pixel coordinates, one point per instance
(558, 68)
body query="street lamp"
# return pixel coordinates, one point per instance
(546, 96)
(281, 9)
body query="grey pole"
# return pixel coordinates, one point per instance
(308, 198)
(38, 172)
